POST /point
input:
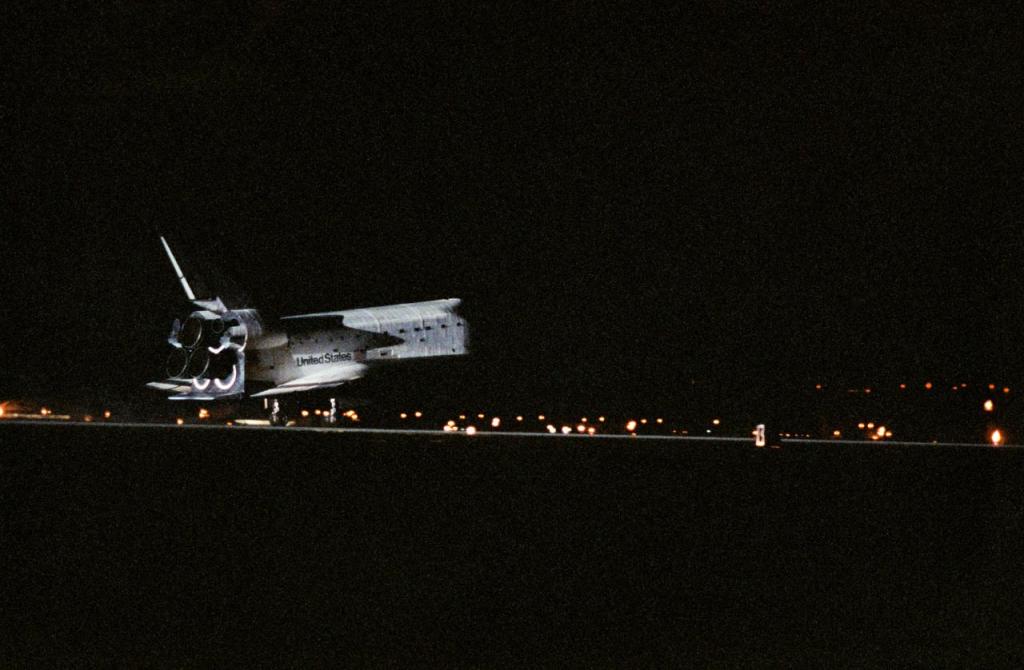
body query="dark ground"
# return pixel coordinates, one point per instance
(182, 546)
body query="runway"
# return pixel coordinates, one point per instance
(505, 434)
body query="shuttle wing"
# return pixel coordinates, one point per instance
(336, 375)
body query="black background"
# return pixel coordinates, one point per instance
(625, 200)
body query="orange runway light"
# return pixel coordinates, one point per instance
(1006, 390)
(928, 386)
(903, 387)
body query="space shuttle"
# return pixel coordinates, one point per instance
(230, 352)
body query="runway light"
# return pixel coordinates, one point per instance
(566, 430)
(204, 413)
(88, 419)
(181, 422)
(881, 431)
(716, 422)
(991, 387)
(541, 417)
(519, 419)
(861, 426)
(661, 421)
(837, 433)
(903, 387)
(495, 422)
(107, 414)
(403, 415)
(643, 421)
(470, 430)
(552, 429)
(631, 426)
(928, 386)
(591, 430)
(600, 419)
(581, 428)
(462, 417)
(888, 433)
(871, 426)
(817, 386)
(583, 420)
(305, 413)
(318, 413)
(1006, 390)
(451, 424)
(996, 437)
(480, 416)
(418, 415)
(1, 410)
(989, 405)
(44, 412)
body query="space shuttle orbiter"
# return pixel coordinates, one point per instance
(233, 352)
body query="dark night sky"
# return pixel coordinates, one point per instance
(626, 201)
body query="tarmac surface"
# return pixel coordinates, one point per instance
(177, 545)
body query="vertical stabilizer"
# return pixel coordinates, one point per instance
(177, 270)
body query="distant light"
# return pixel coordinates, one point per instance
(305, 413)
(989, 405)
(552, 429)
(204, 413)
(660, 421)
(903, 387)
(817, 386)
(470, 430)
(88, 419)
(583, 420)
(541, 417)
(1006, 390)
(871, 426)
(928, 386)
(481, 416)
(643, 421)
(418, 415)
(991, 387)
(1, 410)
(631, 426)
(462, 417)
(519, 418)
(837, 433)
(888, 433)
(566, 430)
(600, 419)
(716, 422)
(591, 430)
(44, 411)
(581, 428)
(996, 437)
(881, 431)
(318, 413)
(861, 426)
(496, 422)
(867, 391)
(403, 415)
(181, 422)
(451, 424)
(107, 415)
